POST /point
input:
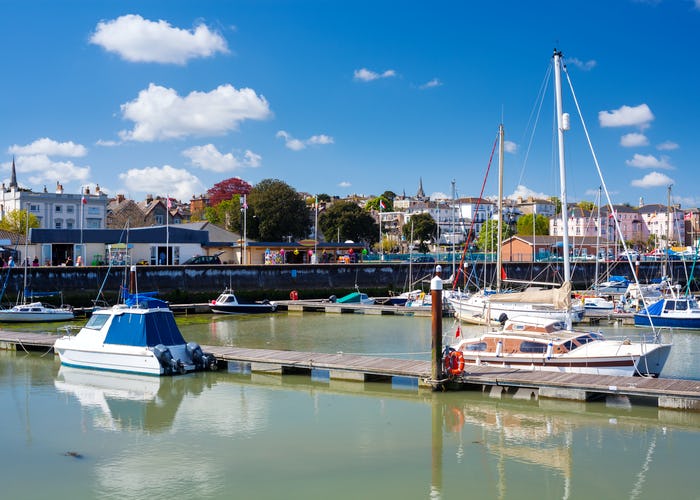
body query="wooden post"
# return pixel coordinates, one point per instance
(436, 311)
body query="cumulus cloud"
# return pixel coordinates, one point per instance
(651, 180)
(136, 39)
(344, 184)
(208, 157)
(638, 116)
(40, 169)
(297, 144)
(176, 182)
(160, 113)
(649, 161)
(49, 147)
(510, 147)
(668, 145)
(525, 192)
(634, 140)
(365, 75)
(432, 83)
(585, 66)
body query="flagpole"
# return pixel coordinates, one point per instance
(167, 230)
(245, 228)
(381, 247)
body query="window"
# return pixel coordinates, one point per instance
(96, 321)
(69, 224)
(481, 346)
(58, 224)
(58, 209)
(533, 347)
(159, 219)
(70, 209)
(33, 207)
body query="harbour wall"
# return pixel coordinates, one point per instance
(180, 284)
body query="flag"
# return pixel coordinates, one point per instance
(169, 203)
(382, 205)
(688, 216)
(458, 332)
(244, 202)
(83, 200)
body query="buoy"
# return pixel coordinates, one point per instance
(294, 295)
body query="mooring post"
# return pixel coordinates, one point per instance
(436, 311)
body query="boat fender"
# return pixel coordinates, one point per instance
(294, 295)
(550, 350)
(499, 348)
(454, 363)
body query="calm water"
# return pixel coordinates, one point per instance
(81, 434)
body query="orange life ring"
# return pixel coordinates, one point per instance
(294, 295)
(454, 363)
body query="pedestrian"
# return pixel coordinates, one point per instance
(69, 261)
(35, 262)
(79, 260)
(10, 262)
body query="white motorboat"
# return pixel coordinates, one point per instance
(228, 303)
(139, 336)
(36, 312)
(532, 343)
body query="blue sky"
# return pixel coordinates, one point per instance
(170, 97)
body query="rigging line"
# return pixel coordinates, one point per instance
(540, 98)
(607, 196)
(476, 210)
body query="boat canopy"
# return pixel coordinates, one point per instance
(144, 329)
(558, 297)
(655, 309)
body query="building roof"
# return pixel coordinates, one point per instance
(153, 234)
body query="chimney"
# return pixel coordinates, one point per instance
(149, 198)
(120, 198)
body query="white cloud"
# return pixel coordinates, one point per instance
(344, 184)
(653, 179)
(208, 157)
(49, 147)
(649, 161)
(40, 169)
(175, 182)
(107, 143)
(365, 75)
(586, 66)
(510, 147)
(634, 139)
(525, 192)
(298, 144)
(431, 84)
(159, 113)
(638, 116)
(668, 145)
(136, 39)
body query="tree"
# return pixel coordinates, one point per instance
(424, 230)
(373, 204)
(16, 221)
(347, 221)
(226, 189)
(227, 214)
(488, 236)
(276, 211)
(557, 204)
(524, 225)
(586, 205)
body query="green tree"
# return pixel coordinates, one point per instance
(226, 214)
(16, 221)
(373, 204)
(586, 205)
(488, 236)
(348, 221)
(557, 204)
(525, 225)
(276, 211)
(424, 230)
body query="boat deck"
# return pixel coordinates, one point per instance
(665, 393)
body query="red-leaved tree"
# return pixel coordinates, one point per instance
(226, 189)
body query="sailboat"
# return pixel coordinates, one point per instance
(34, 312)
(487, 307)
(534, 344)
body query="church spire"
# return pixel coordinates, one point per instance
(13, 178)
(420, 194)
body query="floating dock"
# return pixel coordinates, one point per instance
(676, 394)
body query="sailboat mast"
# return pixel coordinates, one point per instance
(499, 257)
(562, 126)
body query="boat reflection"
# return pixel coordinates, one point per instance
(121, 401)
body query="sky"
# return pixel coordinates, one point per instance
(170, 97)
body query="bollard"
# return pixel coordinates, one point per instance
(436, 312)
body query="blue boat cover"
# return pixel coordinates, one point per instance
(655, 309)
(621, 279)
(144, 330)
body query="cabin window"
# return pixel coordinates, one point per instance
(681, 305)
(670, 305)
(527, 346)
(481, 346)
(96, 321)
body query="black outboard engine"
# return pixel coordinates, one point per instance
(165, 358)
(201, 360)
(503, 318)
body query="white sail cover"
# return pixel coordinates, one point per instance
(558, 297)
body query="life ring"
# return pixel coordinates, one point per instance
(294, 295)
(454, 363)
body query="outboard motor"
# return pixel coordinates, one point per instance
(165, 358)
(503, 318)
(201, 360)
(332, 299)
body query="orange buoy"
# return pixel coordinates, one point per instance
(294, 295)
(454, 363)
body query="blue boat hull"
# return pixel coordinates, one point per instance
(666, 322)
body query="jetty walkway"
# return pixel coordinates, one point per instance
(666, 393)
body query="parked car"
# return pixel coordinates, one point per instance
(203, 259)
(633, 254)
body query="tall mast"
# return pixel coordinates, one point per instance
(562, 126)
(499, 257)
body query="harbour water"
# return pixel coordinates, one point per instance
(71, 433)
